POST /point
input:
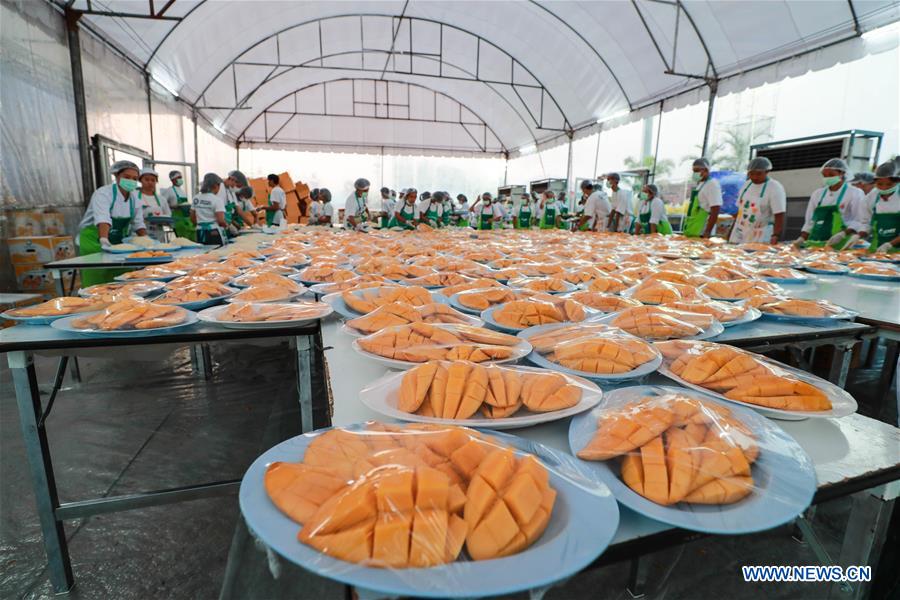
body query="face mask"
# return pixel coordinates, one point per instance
(830, 181)
(129, 185)
(695, 177)
(888, 191)
(364, 195)
(643, 195)
(179, 182)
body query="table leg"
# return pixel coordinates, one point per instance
(201, 361)
(304, 381)
(840, 364)
(637, 577)
(863, 540)
(28, 399)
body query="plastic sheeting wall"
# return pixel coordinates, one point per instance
(39, 161)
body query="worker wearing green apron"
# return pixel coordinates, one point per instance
(111, 216)
(884, 219)
(432, 213)
(705, 203)
(829, 219)
(548, 211)
(208, 212)
(523, 217)
(405, 213)
(488, 213)
(276, 201)
(180, 205)
(387, 208)
(462, 211)
(652, 214)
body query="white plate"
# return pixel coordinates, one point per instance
(38, 320)
(569, 287)
(210, 315)
(353, 332)
(519, 351)
(842, 403)
(715, 329)
(153, 289)
(845, 315)
(290, 298)
(166, 278)
(540, 360)
(381, 396)
(488, 317)
(842, 271)
(336, 301)
(135, 248)
(201, 304)
(784, 477)
(751, 315)
(65, 324)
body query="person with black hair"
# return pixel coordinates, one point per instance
(276, 202)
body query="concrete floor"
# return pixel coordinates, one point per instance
(134, 435)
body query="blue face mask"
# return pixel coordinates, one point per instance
(695, 177)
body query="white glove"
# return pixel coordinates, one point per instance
(835, 238)
(799, 242)
(851, 240)
(104, 244)
(885, 247)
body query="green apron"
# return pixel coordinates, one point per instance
(270, 215)
(548, 220)
(664, 227)
(209, 234)
(409, 216)
(827, 220)
(524, 218)
(181, 215)
(362, 213)
(445, 215)
(696, 218)
(885, 227)
(485, 220)
(431, 215)
(563, 212)
(89, 243)
(463, 220)
(578, 214)
(386, 219)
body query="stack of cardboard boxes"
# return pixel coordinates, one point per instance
(297, 196)
(39, 238)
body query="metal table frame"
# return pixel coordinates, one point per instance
(32, 415)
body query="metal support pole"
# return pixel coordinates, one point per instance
(505, 166)
(656, 147)
(196, 154)
(304, 381)
(37, 449)
(569, 165)
(84, 142)
(597, 152)
(237, 154)
(150, 113)
(713, 88)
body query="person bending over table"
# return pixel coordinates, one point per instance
(833, 211)
(208, 211)
(406, 211)
(761, 206)
(652, 213)
(356, 212)
(112, 215)
(324, 214)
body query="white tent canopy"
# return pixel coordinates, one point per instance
(476, 76)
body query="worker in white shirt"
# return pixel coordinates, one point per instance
(431, 210)
(832, 211)
(314, 207)
(324, 214)
(461, 213)
(652, 216)
(406, 211)
(386, 210)
(761, 206)
(179, 205)
(356, 211)
(864, 181)
(446, 209)
(622, 202)
(705, 203)
(148, 199)
(276, 203)
(486, 213)
(208, 211)
(112, 215)
(239, 208)
(593, 209)
(881, 217)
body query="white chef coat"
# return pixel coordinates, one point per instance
(851, 205)
(101, 208)
(326, 209)
(874, 201)
(355, 207)
(657, 210)
(171, 195)
(387, 206)
(277, 198)
(622, 201)
(709, 194)
(424, 207)
(762, 206)
(205, 207)
(152, 206)
(597, 209)
(315, 209)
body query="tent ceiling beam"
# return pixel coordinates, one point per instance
(150, 14)
(387, 105)
(670, 66)
(411, 54)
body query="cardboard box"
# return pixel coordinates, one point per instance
(303, 193)
(40, 249)
(34, 279)
(28, 223)
(53, 223)
(260, 190)
(293, 207)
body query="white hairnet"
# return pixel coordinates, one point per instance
(838, 164)
(760, 163)
(701, 163)
(209, 180)
(653, 188)
(863, 177)
(361, 183)
(174, 174)
(239, 177)
(887, 170)
(120, 165)
(148, 171)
